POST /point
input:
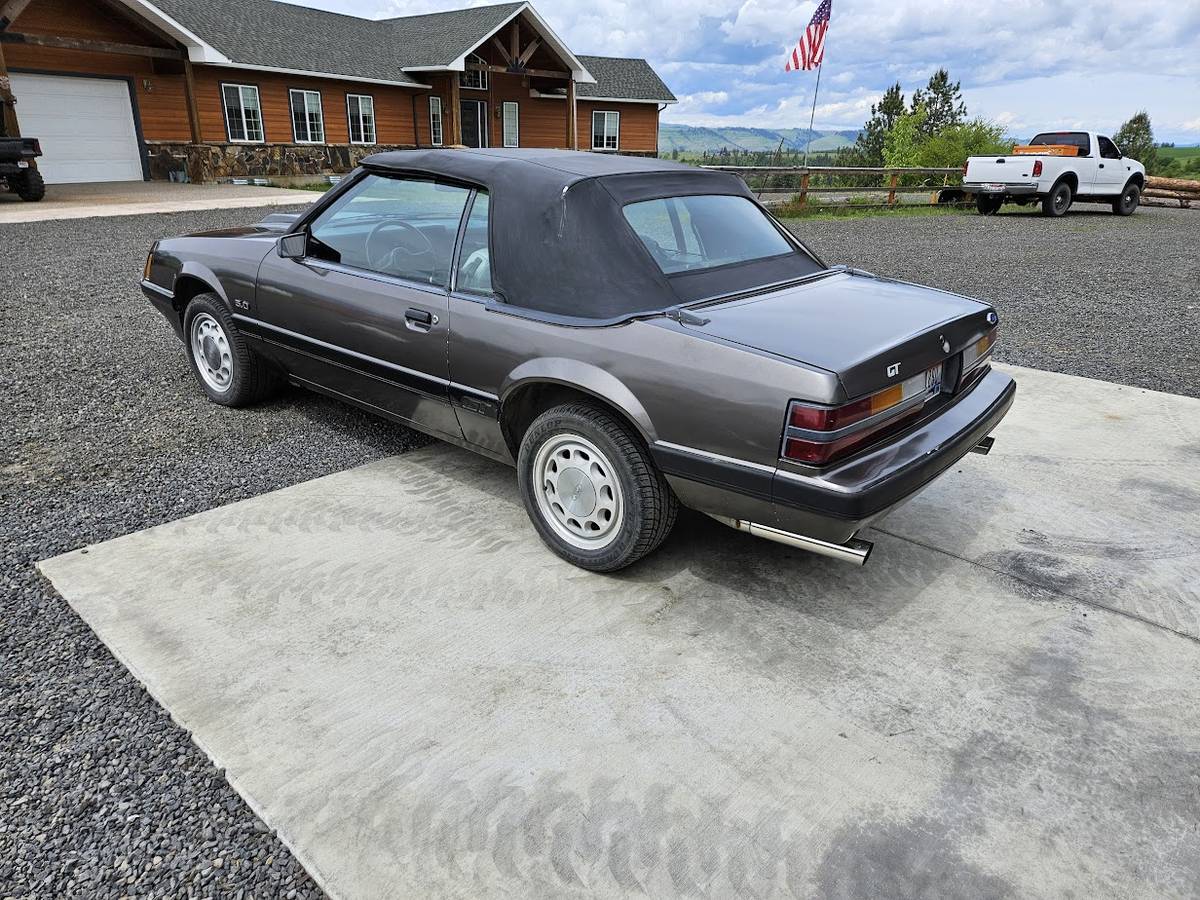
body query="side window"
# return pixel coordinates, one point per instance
(395, 226)
(435, 121)
(1108, 149)
(475, 261)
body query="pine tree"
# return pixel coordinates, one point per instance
(869, 145)
(942, 101)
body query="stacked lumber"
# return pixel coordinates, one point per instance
(1175, 192)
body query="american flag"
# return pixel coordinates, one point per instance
(808, 53)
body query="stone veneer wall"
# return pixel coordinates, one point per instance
(212, 162)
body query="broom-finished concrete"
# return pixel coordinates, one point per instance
(424, 702)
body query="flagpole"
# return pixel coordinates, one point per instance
(813, 114)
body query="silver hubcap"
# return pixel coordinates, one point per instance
(577, 491)
(210, 349)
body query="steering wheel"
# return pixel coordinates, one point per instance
(385, 259)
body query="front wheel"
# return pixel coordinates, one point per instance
(988, 204)
(591, 489)
(1058, 201)
(228, 370)
(1125, 204)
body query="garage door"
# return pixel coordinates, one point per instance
(85, 125)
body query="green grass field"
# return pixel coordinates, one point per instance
(1179, 152)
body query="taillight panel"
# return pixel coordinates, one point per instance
(1037, 168)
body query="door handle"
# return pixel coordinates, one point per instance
(419, 319)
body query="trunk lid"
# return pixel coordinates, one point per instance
(871, 332)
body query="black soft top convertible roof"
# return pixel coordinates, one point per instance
(560, 244)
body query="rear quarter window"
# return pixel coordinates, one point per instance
(705, 231)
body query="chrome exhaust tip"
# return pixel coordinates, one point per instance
(984, 446)
(854, 551)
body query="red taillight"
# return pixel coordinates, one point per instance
(811, 435)
(818, 453)
(1037, 168)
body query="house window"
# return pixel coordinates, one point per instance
(474, 79)
(435, 121)
(361, 110)
(308, 124)
(243, 113)
(512, 112)
(606, 127)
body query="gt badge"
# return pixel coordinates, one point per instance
(893, 370)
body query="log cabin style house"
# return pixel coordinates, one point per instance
(120, 90)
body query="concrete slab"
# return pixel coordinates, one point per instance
(128, 198)
(424, 702)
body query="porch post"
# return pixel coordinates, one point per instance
(189, 87)
(572, 116)
(455, 112)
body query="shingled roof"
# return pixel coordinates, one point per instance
(437, 39)
(618, 78)
(275, 35)
(285, 36)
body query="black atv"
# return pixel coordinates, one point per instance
(18, 169)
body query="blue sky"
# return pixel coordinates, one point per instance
(1028, 64)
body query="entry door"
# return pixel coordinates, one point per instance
(364, 312)
(85, 125)
(474, 123)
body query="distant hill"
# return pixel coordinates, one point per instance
(694, 139)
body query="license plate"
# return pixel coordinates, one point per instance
(925, 384)
(993, 186)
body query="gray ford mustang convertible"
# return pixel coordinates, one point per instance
(632, 334)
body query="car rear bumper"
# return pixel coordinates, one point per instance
(995, 187)
(836, 503)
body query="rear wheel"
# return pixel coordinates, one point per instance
(988, 204)
(28, 185)
(1125, 204)
(590, 488)
(228, 370)
(1058, 201)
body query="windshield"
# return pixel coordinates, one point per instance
(686, 234)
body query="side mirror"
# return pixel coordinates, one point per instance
(293, 246)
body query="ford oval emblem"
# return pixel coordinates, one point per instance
(945, 344)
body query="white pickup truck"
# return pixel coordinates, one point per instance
(1097, 171)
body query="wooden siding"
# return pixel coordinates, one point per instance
(638, 125)
(393, 106)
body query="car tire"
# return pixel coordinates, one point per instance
(988, 205)
(1058, 201)
(1128, 201)
(228, 371)
(29, 185)
(620, 506)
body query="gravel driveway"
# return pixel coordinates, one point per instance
(106, 434)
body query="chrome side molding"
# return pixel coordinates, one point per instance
(854, 551)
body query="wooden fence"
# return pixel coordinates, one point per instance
(797, 182)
